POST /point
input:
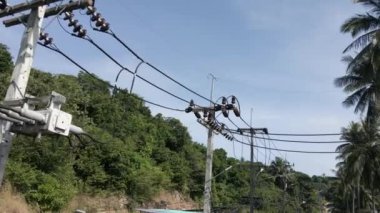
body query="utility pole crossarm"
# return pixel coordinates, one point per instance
(51, 11)
(10, 10)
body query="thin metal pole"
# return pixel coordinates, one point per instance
(213, 78)
(20, 79)
(252, 181)
(209, 156)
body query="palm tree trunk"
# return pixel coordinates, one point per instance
(283, 197)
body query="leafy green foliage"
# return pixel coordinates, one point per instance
(130, 153)
(6, 67)
(358, 168)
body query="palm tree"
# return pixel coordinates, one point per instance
(362, 78)
(281, 171)
(359, 157)
(345, 189)
(363, 84)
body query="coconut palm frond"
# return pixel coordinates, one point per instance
(347, 58)
(347, 80)
(373, 4)
(361, 41)
(362, 57)
(359, 23)
(364, 100)
(355, 98)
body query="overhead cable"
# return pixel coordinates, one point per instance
(110, 32)
(288, 150)
(138, 76)
(56, 49)
(88, 38)
(106, 29)
(299, 141)
(290, 141)
(306, 134)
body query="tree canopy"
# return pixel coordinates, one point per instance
(131, 153)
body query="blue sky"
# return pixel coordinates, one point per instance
(279, 57)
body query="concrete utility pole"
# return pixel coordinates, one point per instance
(214, 127)
(17, 107)
(20, 78)
(209, 156)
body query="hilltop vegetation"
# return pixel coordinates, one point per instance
(134, 154)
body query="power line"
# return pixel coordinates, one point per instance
(288, 150)
(233, 149)
(291, 141)
(306, 134)
(262, 154)
(192, 91)
(254, 156)
(138, 76)
(56, 16)
(274, 145)
(162, 106)
(270, 151)
(88, 38)
(263, 142)
(114, 35)
(245, 122)
(56, 49)
(233, 123)
(161, 72)
(298, 141)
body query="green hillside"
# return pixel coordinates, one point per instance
(135, 154)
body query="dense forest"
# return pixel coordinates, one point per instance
(136, 154)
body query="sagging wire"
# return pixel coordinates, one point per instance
(306, 134)
(299, 141)
(79, 32)
(270, 151)
(288, 150)
(104, 27)
(265, 150)
(54, 48)
(56, 16)
(294, 141)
